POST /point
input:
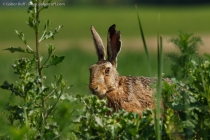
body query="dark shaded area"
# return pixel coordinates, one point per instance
(171, 2)
(139, 2)
(121, 2)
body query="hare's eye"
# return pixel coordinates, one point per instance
(107, 70)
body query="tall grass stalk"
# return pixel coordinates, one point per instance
(144, 41)
(159, 83)
(159, 90)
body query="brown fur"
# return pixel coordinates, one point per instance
(133, 94)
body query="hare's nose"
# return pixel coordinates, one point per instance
(96, 89)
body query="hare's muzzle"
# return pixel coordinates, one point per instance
(93, 88)
(96, 90)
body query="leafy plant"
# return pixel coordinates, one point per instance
(96, 124)
(31, 110)
(187, 46)
(199, 86)
(188, 109)
(187, 113)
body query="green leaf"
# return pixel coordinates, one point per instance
(57, 29)
(51, 48)
(47, 24)
(67, 97)
(30, 9)
(7, 86)
(12, 50)
(56, 60)
(190, 124)
(58, 79)
(19, 49)
(32, 21)
(21, 36)
(98, 121)
(49, 34)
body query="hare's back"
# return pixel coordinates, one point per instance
(140, 82)
(145, 82)
(140, 89)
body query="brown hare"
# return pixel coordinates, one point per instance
(132, 94)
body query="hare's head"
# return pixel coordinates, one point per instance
(103, 75)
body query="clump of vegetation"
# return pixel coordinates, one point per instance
(190, 106)
(96, 124)
(187, 46)
(187, 113)
(32, 104)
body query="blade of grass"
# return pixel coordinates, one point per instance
(159, 90)
(159, 85)
(144, 41)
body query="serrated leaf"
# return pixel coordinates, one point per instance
(19, 49)
(21, 36)
(12, 50)
(56, 60)
(49, 34)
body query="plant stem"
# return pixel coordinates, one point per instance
(38, 54)
(159, 90)
(39, 68)
(37, 42)
(159, 85)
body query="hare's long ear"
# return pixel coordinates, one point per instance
(98, 44)
(113, 44)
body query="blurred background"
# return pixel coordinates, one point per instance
(75, 41)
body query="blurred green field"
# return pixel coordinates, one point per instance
(75, 41)
(77, 20)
